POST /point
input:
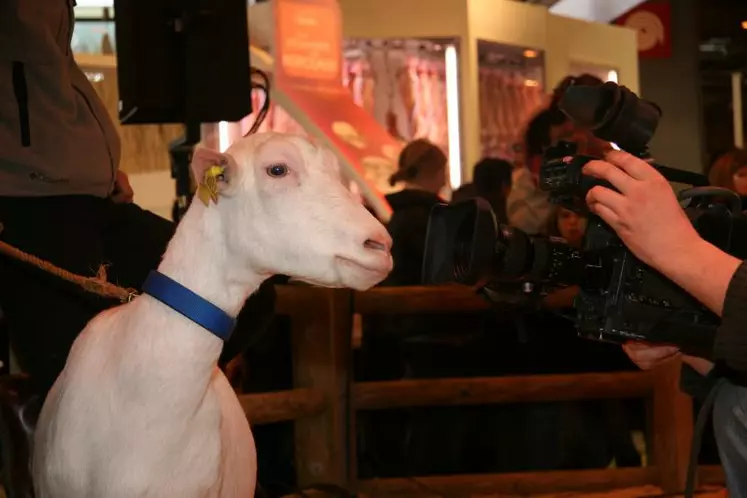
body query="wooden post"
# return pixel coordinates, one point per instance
(672, 427)
(321, 329)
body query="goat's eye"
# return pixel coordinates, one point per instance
(277, 170)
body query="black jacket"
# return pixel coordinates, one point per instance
(407, 226)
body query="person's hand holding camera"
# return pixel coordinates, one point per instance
(648, 356)
(646, 215)
(645, 212)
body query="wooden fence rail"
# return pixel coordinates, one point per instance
(489, 390)
(325, 400)
(266, 408)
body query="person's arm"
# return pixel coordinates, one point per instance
(648, 218)
(694, 378)
(645, 213)
(706, 272)
(699, 365)
(731, 339)
(647, 356)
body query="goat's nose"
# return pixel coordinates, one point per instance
(379, 242)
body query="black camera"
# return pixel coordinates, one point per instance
(620, 298)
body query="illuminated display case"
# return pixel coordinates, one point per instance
(511, 91)
(502, 27)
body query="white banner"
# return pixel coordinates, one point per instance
(602, 11)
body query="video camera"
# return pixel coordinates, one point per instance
(620, 298)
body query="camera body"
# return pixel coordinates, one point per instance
(620, 298)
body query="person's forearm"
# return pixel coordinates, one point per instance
(703, 270)
(700, 365)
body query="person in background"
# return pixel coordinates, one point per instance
(63, 197)
(465, 192)
(418, 346)
(571, 226)
(422, 168)
(574, 434)
(729, 171)
(528, 207)
(383, 435)
(713, 157)
(492, 181)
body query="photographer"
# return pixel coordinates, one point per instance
(647, 217)
(528, 208)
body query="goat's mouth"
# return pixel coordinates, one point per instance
(354, 273)
(382, 265)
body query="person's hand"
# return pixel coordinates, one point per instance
(647, 356)
(700, 365)
(123, 192)
(645, 212)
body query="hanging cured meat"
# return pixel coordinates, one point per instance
(367, 86)
(406, 90)
(397, 114)
(510, 93)
(402, 84)
(440, 111)
(380, 75)
(490, 126)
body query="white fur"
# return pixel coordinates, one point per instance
(141, 410)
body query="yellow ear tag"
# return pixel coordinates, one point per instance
(208, 188)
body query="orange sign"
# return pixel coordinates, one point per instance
(308, 69)
(309, 43)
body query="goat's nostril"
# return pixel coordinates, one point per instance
(375, 245)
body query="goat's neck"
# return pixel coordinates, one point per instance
(197, 259)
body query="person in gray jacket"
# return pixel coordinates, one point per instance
(63, 197)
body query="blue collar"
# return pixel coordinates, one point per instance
(199, 310)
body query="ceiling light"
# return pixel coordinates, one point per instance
(744, 24)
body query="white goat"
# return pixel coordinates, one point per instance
(141, 410)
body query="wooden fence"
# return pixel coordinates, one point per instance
(325, 400)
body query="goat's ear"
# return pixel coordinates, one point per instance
(212, 171)
(203, 159)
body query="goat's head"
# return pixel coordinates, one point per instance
(283, 209)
